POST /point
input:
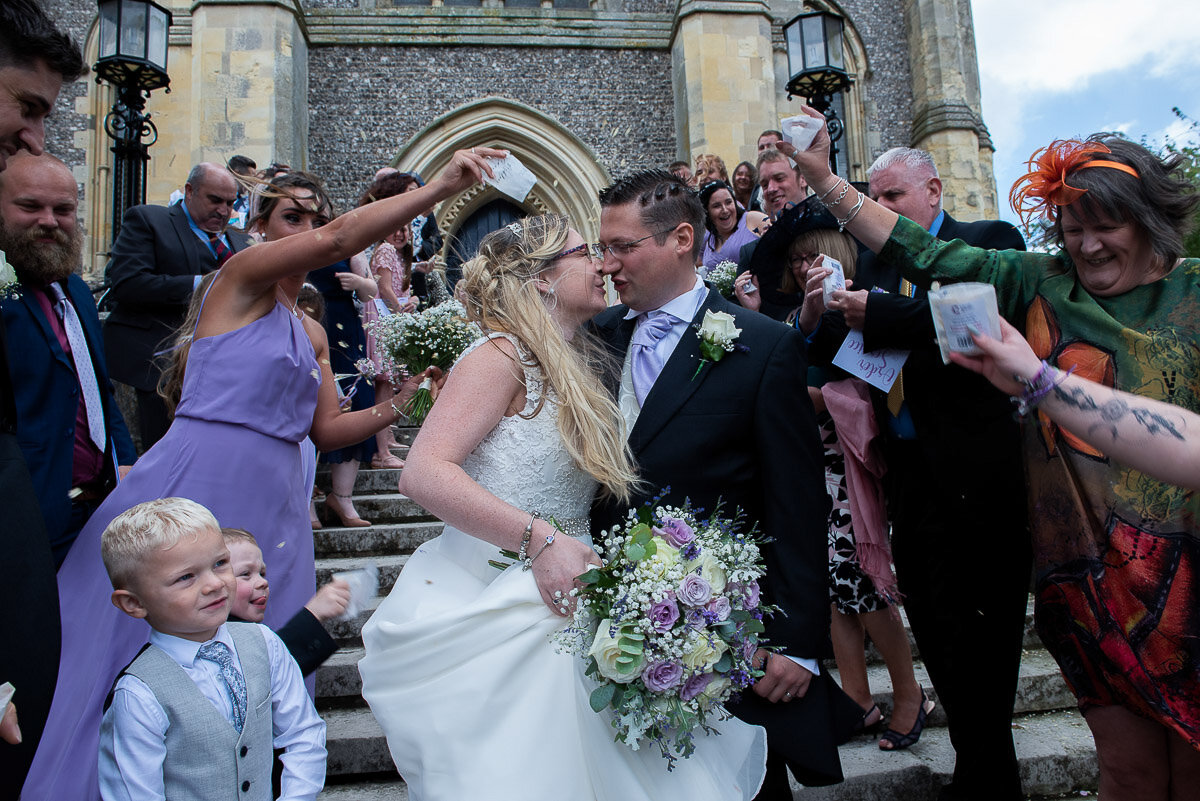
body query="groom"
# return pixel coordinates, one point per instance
(740, 430)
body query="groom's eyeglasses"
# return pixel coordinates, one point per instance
(620, 249)
(591, 250)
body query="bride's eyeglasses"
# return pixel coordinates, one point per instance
(591, 250)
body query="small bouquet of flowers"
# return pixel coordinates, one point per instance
(669, 624)
(721, 277)
(414, 341)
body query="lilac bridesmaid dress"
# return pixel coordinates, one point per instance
(238, 446)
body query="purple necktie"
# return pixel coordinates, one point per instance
(647, 359)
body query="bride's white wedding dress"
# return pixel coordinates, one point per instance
(462, 675)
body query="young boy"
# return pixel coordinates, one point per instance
(195, 715)
(304, 635)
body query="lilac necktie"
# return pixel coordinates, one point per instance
(647, 359)
(83, 365)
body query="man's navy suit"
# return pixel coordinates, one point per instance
(46, 391)
(956, 497)
(151, 273)
(743, 432)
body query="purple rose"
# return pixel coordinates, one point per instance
(676, 532)
(662, 676)
(752, 594)
(695, 685)
(749, 649)
(694, 590)
(720, 607)
(664, 614)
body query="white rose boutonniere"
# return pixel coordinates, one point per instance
(9, 285)
(717, 337)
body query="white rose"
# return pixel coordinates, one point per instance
(665, 557)
(606, 650)
(7, 274)
(713, 692)
(711, 571)
(718, 326)
(703, 654)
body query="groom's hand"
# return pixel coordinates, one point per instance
(783, 679)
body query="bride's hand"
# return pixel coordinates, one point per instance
(557, 568)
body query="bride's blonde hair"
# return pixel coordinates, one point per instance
(499, 291)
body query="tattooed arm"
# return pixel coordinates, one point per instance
(1159, 439)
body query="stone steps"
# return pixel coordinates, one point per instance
(380, 539)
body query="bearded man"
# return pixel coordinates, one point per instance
(68, 426)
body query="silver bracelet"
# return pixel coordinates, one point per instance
(523, 551)
(841, 197)
(829, 191)
(549, 541)
(853, 213)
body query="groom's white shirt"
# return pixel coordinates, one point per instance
(683, 310)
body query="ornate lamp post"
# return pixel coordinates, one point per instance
(133, 58)
(817, 66)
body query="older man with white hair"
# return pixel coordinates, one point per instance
(955, 490)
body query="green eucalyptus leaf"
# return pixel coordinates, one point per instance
(602, 696)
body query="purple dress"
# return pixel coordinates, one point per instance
(238, 446)
(730, 248)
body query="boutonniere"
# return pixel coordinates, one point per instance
(717, 335)
(10, 287)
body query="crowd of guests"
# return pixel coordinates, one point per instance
(246, 364)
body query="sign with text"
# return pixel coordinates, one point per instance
(879, 368)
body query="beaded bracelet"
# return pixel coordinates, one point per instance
(523, 551)
(842, 223)
(1038, 387)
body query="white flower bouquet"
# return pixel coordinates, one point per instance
(415, 341)
(669, 624)
(721, 277)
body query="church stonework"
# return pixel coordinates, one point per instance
(342, 87)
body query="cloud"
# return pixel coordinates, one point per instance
(1063, 45)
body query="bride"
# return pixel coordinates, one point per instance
(460, 670)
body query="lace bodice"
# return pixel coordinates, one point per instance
(523, 460)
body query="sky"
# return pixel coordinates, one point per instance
(1056, 69)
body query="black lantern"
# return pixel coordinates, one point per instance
(817, 67)
(133, 58)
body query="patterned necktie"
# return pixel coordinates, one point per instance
(83, 365)
(218, 652)
(647, 360)
(222, 250)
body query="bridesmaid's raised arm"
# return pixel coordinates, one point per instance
(265, 264)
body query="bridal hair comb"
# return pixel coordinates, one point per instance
(1045, 186)
(515, 227)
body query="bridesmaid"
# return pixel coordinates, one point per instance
(258, 380)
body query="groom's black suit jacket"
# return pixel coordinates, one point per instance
(744, 432)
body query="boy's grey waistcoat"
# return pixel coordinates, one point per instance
(207, 760)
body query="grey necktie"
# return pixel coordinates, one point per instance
(83, 365)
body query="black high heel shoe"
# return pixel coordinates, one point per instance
(900, 741)
(866, 724)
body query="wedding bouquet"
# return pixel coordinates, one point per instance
(414, 341)
(669, 625)
(721, 277)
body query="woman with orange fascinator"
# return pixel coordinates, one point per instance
(1116, 550)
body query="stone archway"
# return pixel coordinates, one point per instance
(569, 174)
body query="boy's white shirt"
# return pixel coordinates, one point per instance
(133, 732)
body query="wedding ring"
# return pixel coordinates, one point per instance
(787, 695)
(472, 150)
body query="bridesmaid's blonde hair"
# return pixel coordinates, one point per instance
(499, 291)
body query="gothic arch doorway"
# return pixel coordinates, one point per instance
(569, 174)
(464, 243)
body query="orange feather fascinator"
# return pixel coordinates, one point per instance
(1045, 186)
